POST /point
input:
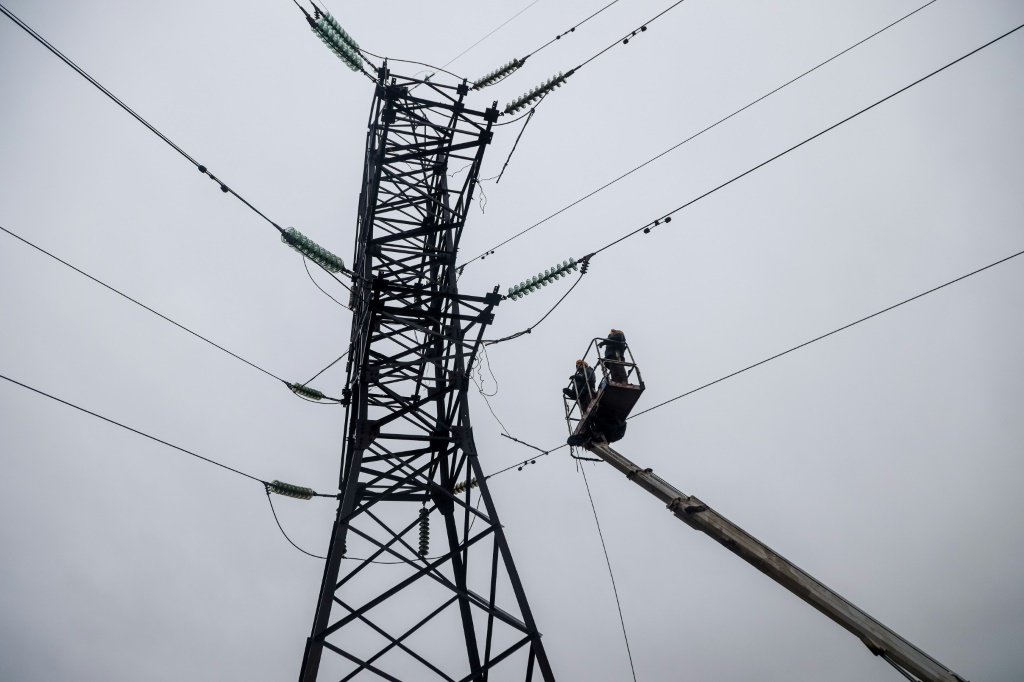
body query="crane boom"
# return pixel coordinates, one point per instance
(693, 512)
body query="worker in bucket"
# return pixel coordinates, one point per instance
(584, 385)
(614, 354)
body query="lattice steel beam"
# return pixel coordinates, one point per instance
(456, 610)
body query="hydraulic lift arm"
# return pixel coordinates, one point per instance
(879, 639)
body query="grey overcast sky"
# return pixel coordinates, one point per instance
(886, 460)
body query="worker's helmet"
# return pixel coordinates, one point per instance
(616, 331)
(580, 362)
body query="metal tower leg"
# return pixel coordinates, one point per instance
(409, 442)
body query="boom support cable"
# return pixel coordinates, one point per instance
(202, 169)
(692, 137)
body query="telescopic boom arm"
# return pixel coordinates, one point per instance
(879, 639)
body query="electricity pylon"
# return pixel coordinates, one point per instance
(454, 609)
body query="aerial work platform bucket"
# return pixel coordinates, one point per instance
(599, 411)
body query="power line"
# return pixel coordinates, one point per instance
(490, 34)
(823, 336)
(692, 137)
(531, 460)
(648, 226)
(625, 39)
(333, 363)
(317, 285)
(487, 402)
(611, 575)
(266, 485)
(757, 364)
(281, 528)
(570, 30)
(143, 305)
(202, 169)
(146, 435)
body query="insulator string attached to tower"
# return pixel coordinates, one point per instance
(542, 279)
(288, 490)
(556, 81)
(585, 262)
(424, 548)
(537, 93)
(462, 487)
(336, 38)
(511, 67)
(313, 251)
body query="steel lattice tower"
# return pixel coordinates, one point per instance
(457, 612)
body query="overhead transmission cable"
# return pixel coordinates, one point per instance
(158, 314)
(503, 24)
(572, 29)
(202, 169)
(520, 465)
(534, 283)
(321, 256)
(281, 528)
(278, 487)
(550, 84)
(503, 72)
(824, 336)
(136, 431)
(322, 290)
(143, 305)
(333, 363)
(646, 228)
(492, 249)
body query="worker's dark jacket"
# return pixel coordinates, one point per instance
(584, 385)
(614, 351)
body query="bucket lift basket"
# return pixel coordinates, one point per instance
(618, 385)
